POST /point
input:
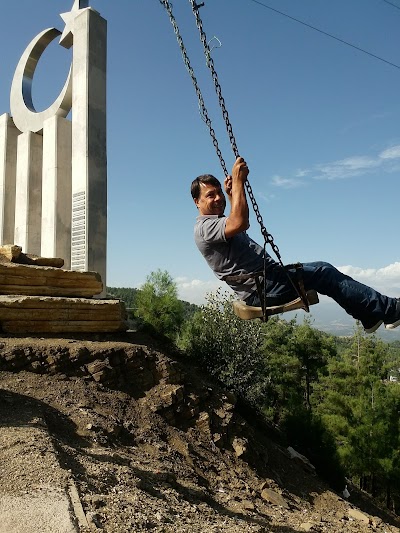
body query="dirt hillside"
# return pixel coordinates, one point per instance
(153, 445)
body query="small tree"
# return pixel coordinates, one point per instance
(158, 304)
(227, 347)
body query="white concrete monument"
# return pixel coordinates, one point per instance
(53, 169)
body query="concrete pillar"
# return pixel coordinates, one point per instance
(8, 163)
(56, 190)
(89, 157)
(28, 192)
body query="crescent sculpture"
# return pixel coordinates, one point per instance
(25, 117)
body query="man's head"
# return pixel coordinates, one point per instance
(207, 195)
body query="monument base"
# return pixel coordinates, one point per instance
(47, 314)
(45, 299)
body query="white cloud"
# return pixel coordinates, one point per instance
(287, 183)
(387, 161)
(385, 280)
(302, 173)
(266, 197)
(195, 290)
(391, 153)
(345, 168)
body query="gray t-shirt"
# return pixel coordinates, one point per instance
(229, 257)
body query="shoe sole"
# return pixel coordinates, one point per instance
(374, 328)
(393, 326)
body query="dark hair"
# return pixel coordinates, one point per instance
(207, 179)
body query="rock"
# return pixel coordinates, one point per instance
(98, 501)
(94, 521)
(247, 505)
(10, 252)
(41, 314)
(203, 423)
(13, 253)
(358, 515)
(300, 459)
(307, 526)
(274, 498)
(218, 439)
(240, 446)
(47, 281)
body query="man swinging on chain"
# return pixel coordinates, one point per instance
(229, 251)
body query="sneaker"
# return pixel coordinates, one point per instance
(396, 323)
(393, 325)
(374, 327)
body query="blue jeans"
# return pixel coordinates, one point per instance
(358, 300)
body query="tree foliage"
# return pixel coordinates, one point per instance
(157, 304)
(127, 294)
(229, 348)
(360, 408)
(331, 398)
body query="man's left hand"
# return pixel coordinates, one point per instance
(228, 186)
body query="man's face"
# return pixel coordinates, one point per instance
(211, 200)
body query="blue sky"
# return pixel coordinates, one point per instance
(317, 121)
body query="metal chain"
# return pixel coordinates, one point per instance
(210, 63)
(202, 107)
(268, 238)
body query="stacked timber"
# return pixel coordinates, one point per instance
(38, 296)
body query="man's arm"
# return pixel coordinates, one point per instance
(238, 218)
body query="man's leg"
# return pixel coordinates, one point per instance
(358, 300)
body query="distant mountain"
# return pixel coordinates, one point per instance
(329, 317)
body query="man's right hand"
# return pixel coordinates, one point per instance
(240, 170)
(238, 219)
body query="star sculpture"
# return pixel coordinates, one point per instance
(67, 38)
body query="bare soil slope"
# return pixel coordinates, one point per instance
(153, 445)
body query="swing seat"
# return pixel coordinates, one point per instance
(248, 312)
